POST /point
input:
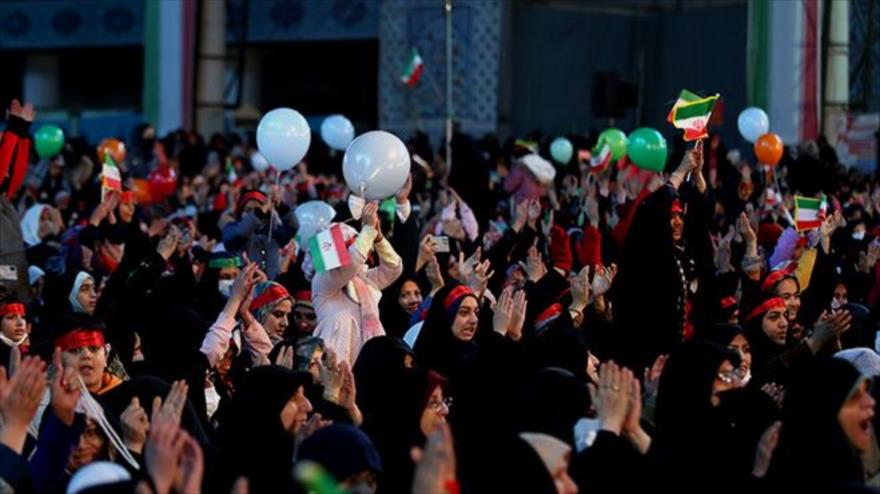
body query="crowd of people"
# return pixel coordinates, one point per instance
(502, 323)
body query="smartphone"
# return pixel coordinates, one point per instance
(440, 244)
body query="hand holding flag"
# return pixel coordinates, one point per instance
(691, 113)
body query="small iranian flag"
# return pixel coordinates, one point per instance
(414, 69)
(691, 112)
(328, 250)
(111, 180)
(809, 212)
(601, 158)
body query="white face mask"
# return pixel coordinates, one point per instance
(585, 431)
(837, 303)
(212, 400)
(225, 287)
(860, 235)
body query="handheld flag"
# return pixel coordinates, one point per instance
(809, 212)
(601, 157)
(111, 179)
(413, 70)
(328, 250)
(691, 113)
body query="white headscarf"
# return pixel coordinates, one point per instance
(97, 474)
(81, 278)
(30, 225)
(541, 168)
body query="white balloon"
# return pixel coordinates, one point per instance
(283, 137)
(259, 162)
(376, 165)
(753, 123)
(337, 131)
(313, 216)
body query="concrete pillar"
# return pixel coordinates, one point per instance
(41, 81)
(836, 100)
(211, 68)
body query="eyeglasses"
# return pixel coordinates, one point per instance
(730, 377)
(437, 406)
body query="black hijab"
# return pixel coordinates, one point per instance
(436, 347)
(814, 454)
(687, 425)
(380, 361)
(395, 428)
(552, 401)
(254, 442)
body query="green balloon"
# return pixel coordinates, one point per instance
(647, 149)
(617, 140)
(48, 141)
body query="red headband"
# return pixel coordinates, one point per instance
(676, 207)
(80, 338)
(776, 276)
(15, 308)
(272, 294)
(127, 197)
(727, 302)
(254, 195)
(768, 305)
(455, 294)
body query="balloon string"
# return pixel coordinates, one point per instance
(272, 210)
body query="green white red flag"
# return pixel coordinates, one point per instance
(809, 212)
(601, 157)
(413, 71)
(328, 250)
(691, 112)
(111, 179)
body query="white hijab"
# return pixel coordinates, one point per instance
(30, 225)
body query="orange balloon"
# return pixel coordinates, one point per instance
(768, 149)
(115, 147)
(141, 189)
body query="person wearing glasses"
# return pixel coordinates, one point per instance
(407, 417)
(690, 428)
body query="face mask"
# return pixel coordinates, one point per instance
(837, 304)
(585, 431)
(212, 400)
(225, 287)
(858, 235)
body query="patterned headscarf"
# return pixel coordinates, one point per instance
(267, 294)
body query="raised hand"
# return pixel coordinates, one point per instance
(172, 409)
(652, 376)
(190, 466)
(162, 453)
(518, 315)
(19, 400)
(435, 276)
(479, 278)
(426, 252)
(745, 229)
(370, 215)
(331, 377)
(169, 243)
(135, 425)
(603, 279)
(65, 392)
(580, 289)
(534, 266)
(435, 466)
(521, 216)
(766, 447)
(285, 357)
(828, 328)
(503, 315)
(25, 112)
(611, 398)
